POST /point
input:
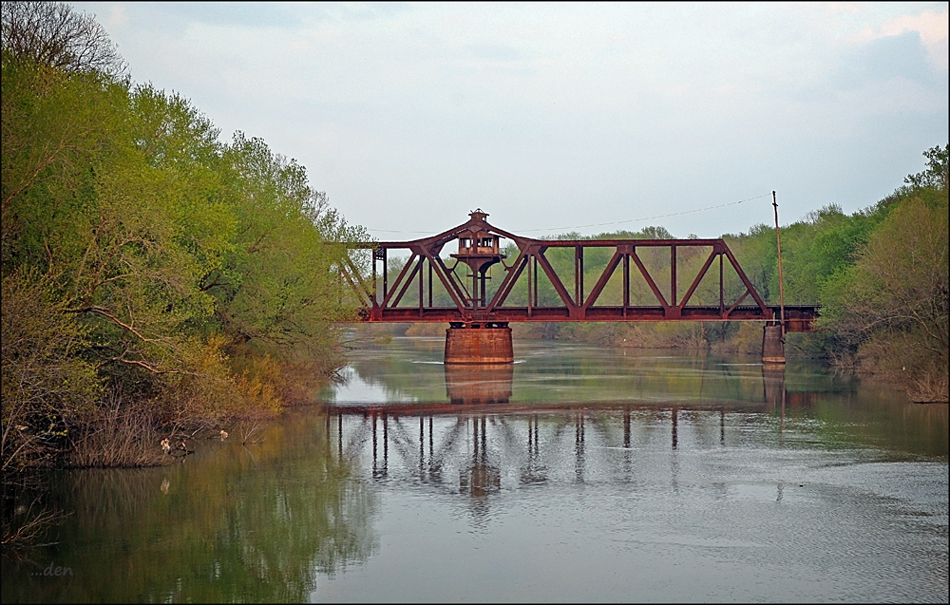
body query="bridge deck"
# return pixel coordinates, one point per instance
(798, 318)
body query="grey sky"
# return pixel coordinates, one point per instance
(563, 117)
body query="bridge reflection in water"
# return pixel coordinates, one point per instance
(481, 440)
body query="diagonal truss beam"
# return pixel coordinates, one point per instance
(385, 302)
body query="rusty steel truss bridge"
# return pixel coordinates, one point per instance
(671, 288)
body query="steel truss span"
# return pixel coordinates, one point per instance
(679, 289)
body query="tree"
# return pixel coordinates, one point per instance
(52, 34)
(46, 383)
(149, 270)
(936, 175)
(889, 310)
(50, 125)
(279, 286)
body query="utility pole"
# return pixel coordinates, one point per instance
(781, 290)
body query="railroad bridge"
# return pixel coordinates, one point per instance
(642, 280)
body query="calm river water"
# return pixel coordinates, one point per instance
(579, 473)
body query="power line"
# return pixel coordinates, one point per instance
(650, 218)
(632, 220)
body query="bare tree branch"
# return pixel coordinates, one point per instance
(51, 33)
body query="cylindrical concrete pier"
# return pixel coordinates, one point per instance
(773, 347)
(478, 345)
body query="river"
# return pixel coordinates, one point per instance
(577, 474)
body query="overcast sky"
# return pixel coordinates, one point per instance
(563, 117)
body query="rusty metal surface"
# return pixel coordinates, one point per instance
(480, 345)
(425, 270)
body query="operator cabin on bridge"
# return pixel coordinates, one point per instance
(479, 249)
(478, 245)
(642, 289)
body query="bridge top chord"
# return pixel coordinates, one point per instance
(541, 280)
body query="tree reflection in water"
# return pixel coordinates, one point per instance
(234, 524)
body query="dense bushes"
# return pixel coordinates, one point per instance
(887, 312)
(147, 266)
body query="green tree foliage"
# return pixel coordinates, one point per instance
(180, 270)
(279, 286)
(46, 383)
(757, 254)
(889, 310)
(935, 176)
